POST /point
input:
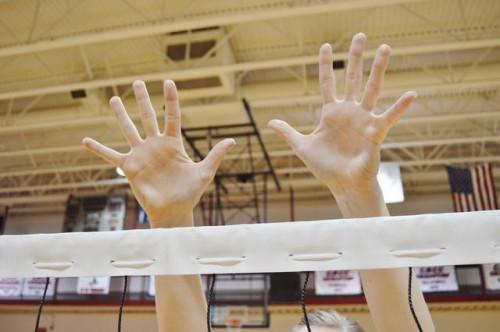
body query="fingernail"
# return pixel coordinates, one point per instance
(326, 48)
(229, 142)
(413, 94)
(360, 35)
(385, 48)
(272, 123)
(138, 84)
(114, 99)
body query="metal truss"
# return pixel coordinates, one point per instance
(219, 207)
(216, 17)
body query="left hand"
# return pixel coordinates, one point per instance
(344, 150)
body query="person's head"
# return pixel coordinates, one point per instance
(328, 321)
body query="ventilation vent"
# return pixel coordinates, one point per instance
(339, 64)
(177, 52)
(78, 94)
(184, 32)
(198, 83)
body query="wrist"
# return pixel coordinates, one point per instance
(360, 201)
(169, 219)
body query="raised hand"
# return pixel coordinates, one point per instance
(165, 181)
(344, 150)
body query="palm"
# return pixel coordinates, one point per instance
(347, 138)
(158, 164)
(344, 150)
(161, 174)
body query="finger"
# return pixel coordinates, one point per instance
(146, 111)
(172, 110)
(376, 79)
(126, 125)
(111, 156)
(354, 74)
(286, 132)
(396, 111)
(326, 75)
(214, 158)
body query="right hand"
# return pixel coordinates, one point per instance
(164, 180)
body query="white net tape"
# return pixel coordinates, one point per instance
(386, 242)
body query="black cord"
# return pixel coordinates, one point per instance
(303, 302)
(124, 293)
(410, 301)
(210, 300)
(42, 301)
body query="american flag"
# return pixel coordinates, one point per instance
(472, 189)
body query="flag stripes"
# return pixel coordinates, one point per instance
(472, 189)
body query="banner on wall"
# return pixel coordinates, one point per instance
(11, 287)
(34, 287)
(337, 282)
(95, 214)
(436, 278)
(491, 273)
(93, 285)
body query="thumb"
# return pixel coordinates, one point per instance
(214, 158)
(286, 132)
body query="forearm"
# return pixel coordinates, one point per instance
(386, 290)
(180, 301)
(356, 202)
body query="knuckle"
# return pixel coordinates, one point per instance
(325, 78)
(172, 116)
(379, 66)
(356, 52)
(373, 85)
(353, 75)
(148, 115)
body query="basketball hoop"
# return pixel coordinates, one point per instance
(234, 325)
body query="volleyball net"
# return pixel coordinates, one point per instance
(346, 244)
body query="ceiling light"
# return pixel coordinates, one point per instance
(120, 171)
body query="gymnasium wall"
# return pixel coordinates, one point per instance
(278, 211)
(459, 317)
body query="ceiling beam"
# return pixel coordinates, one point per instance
(425, 176)
(208, 71)
(219, 19)
(40, 119)
(71, 185)
(32, 199)
(389, 145)
(427, 119)
(297, 183)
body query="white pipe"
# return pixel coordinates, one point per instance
(172, 24)
(279, 153)
(238, 67)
